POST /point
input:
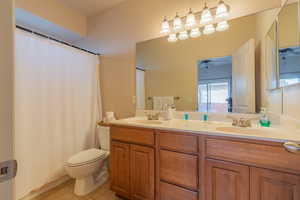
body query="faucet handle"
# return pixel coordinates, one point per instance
(235, 121)
(243, 122)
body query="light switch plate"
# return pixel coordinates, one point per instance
(133, 99)
(8, 170)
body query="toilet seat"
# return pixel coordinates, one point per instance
(86, 157)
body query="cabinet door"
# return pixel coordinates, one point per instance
(120, 170)
(142, 173)
(272, 185)
(226, 181)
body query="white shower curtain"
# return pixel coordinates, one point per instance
(56, 108)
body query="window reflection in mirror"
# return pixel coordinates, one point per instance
(289, 50)
(214, 85)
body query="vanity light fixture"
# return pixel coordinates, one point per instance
(222, 26)
(165, 26)
(190, 20)
(206, 16)
(222, 10)
(209, 29)
(177, 23)
(183, 35)
(172, 37)
(195, 32)
(190, 27)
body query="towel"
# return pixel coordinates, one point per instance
(159, 103)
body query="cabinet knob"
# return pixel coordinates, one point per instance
(292, 147)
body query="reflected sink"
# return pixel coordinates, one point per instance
(153, 122)
(240, 130)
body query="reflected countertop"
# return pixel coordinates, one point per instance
(214, 128)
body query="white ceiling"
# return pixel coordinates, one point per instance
(91, 7)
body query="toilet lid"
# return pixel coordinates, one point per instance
(86, 156)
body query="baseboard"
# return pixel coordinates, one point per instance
(46, 188)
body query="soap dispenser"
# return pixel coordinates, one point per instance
(264, 119)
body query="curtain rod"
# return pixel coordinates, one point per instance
(56, 40)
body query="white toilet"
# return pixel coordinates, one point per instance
(90, 167)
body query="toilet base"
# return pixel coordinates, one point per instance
(84, 186)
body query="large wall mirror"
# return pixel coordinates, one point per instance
(288, 45)
(211, 73)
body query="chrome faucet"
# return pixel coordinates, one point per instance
(152, 115)
(241, 122)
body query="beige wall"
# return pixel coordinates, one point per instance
(173, 66)
(117, 78)
(55, 12)
(6, 88)
(288, 26)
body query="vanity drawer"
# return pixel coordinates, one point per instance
(178, 141)
(132, 135)
(270, 155)
(178, 168)
(173, 192)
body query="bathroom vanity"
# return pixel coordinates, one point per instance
(164, 163)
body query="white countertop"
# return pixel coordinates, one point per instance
(213, 128)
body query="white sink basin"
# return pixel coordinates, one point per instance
(153, 122)
(241, 130)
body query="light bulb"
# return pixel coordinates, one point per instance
(183, 35)
(165, 27)
(177, 23)
(222, 10)
(209, 29)
(195, 32)
(190, 20)
(206, 16)
(172, 37)
(222, 26)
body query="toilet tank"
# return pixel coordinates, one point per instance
(103, 133)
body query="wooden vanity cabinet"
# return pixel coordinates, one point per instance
(120, 168)
(269, 185)
(142, 172)
(149, 164)
(178, 168)
(226, 181)
(132, 165)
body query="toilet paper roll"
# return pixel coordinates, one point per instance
(109, 116)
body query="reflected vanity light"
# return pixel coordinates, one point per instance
(222, 10)
(209, 29)
(190, 20)
(183, 35)
(172, 37)
(177, 23)
(195, 33)
(206, 16)
(165, 26)
(222, 26)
